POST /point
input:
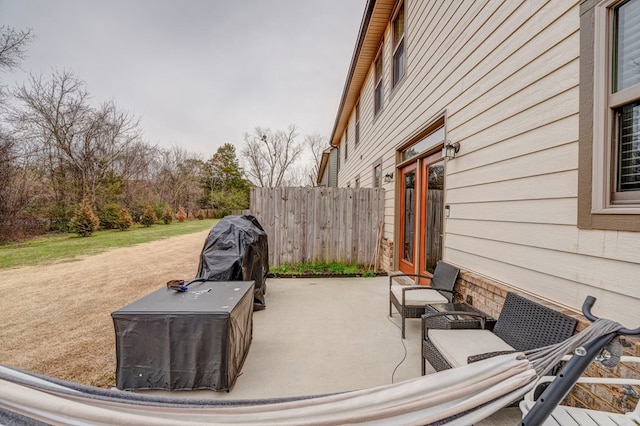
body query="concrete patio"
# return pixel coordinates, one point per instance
(328, 335)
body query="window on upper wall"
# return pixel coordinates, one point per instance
(377, 175)
(399, 56)
(609, 169)
(346, 143)
(377, 96)
(357, 138)
(624, 102)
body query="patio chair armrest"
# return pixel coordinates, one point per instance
(391, 276)
(486, 355)
(421, 287)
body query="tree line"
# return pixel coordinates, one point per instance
(58, 150)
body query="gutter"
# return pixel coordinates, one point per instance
(323, 163)
(366, 19)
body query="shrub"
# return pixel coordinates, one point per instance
(84, 222)
(109, 216)
(158, 209)
(167, 215)
(181, 215)
(200, 215)
(148, 217)
(124, 219)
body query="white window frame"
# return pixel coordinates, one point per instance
(604, 124)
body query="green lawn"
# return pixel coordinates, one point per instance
(57, 247)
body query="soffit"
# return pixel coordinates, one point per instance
(374, 23)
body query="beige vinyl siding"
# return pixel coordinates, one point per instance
(506, 75)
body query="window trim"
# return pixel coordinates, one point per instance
(346, 142)
(377, 164)
(357, 119)
(378, 81)
(396, 44)
(603, 117)
(591, 188)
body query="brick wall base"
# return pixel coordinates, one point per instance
(386, 255)
(488, 296)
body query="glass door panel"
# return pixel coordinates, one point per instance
(408, 219)
(433, 216)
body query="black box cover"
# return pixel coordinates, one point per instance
(197, 339)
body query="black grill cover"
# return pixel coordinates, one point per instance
(237, 250)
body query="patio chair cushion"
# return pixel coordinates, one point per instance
(418, 297)
(457, 345)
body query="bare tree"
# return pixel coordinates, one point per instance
(53, 115)
(79, 146)
(305, 173)
(297, 176)
(12, 46)
(316, 145)
(20, 187)
(269, 156)
(177, 178)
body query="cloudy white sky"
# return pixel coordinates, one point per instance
(198, 72)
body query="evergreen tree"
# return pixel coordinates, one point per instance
(149, 216)
(85, 221)
(167, 215)
(181, 215)
(224, 185)
(124, 219)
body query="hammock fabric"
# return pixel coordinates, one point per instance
(459, 396)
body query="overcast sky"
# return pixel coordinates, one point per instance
(199, 73)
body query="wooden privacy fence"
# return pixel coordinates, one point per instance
(321, 224)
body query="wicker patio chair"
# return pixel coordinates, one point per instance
(410, 300)
(522, 325)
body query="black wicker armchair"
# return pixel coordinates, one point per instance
(410, 300)
(522, 325)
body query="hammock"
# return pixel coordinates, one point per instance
(459, 396)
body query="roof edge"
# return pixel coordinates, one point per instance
(366, 19)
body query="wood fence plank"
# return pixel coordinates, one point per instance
(319, 224)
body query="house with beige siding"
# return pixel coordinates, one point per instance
(506, 135)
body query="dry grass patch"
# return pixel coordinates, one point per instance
(56, 319)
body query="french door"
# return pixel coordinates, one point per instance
(408, 224)
(421, 198)
(431, 213)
